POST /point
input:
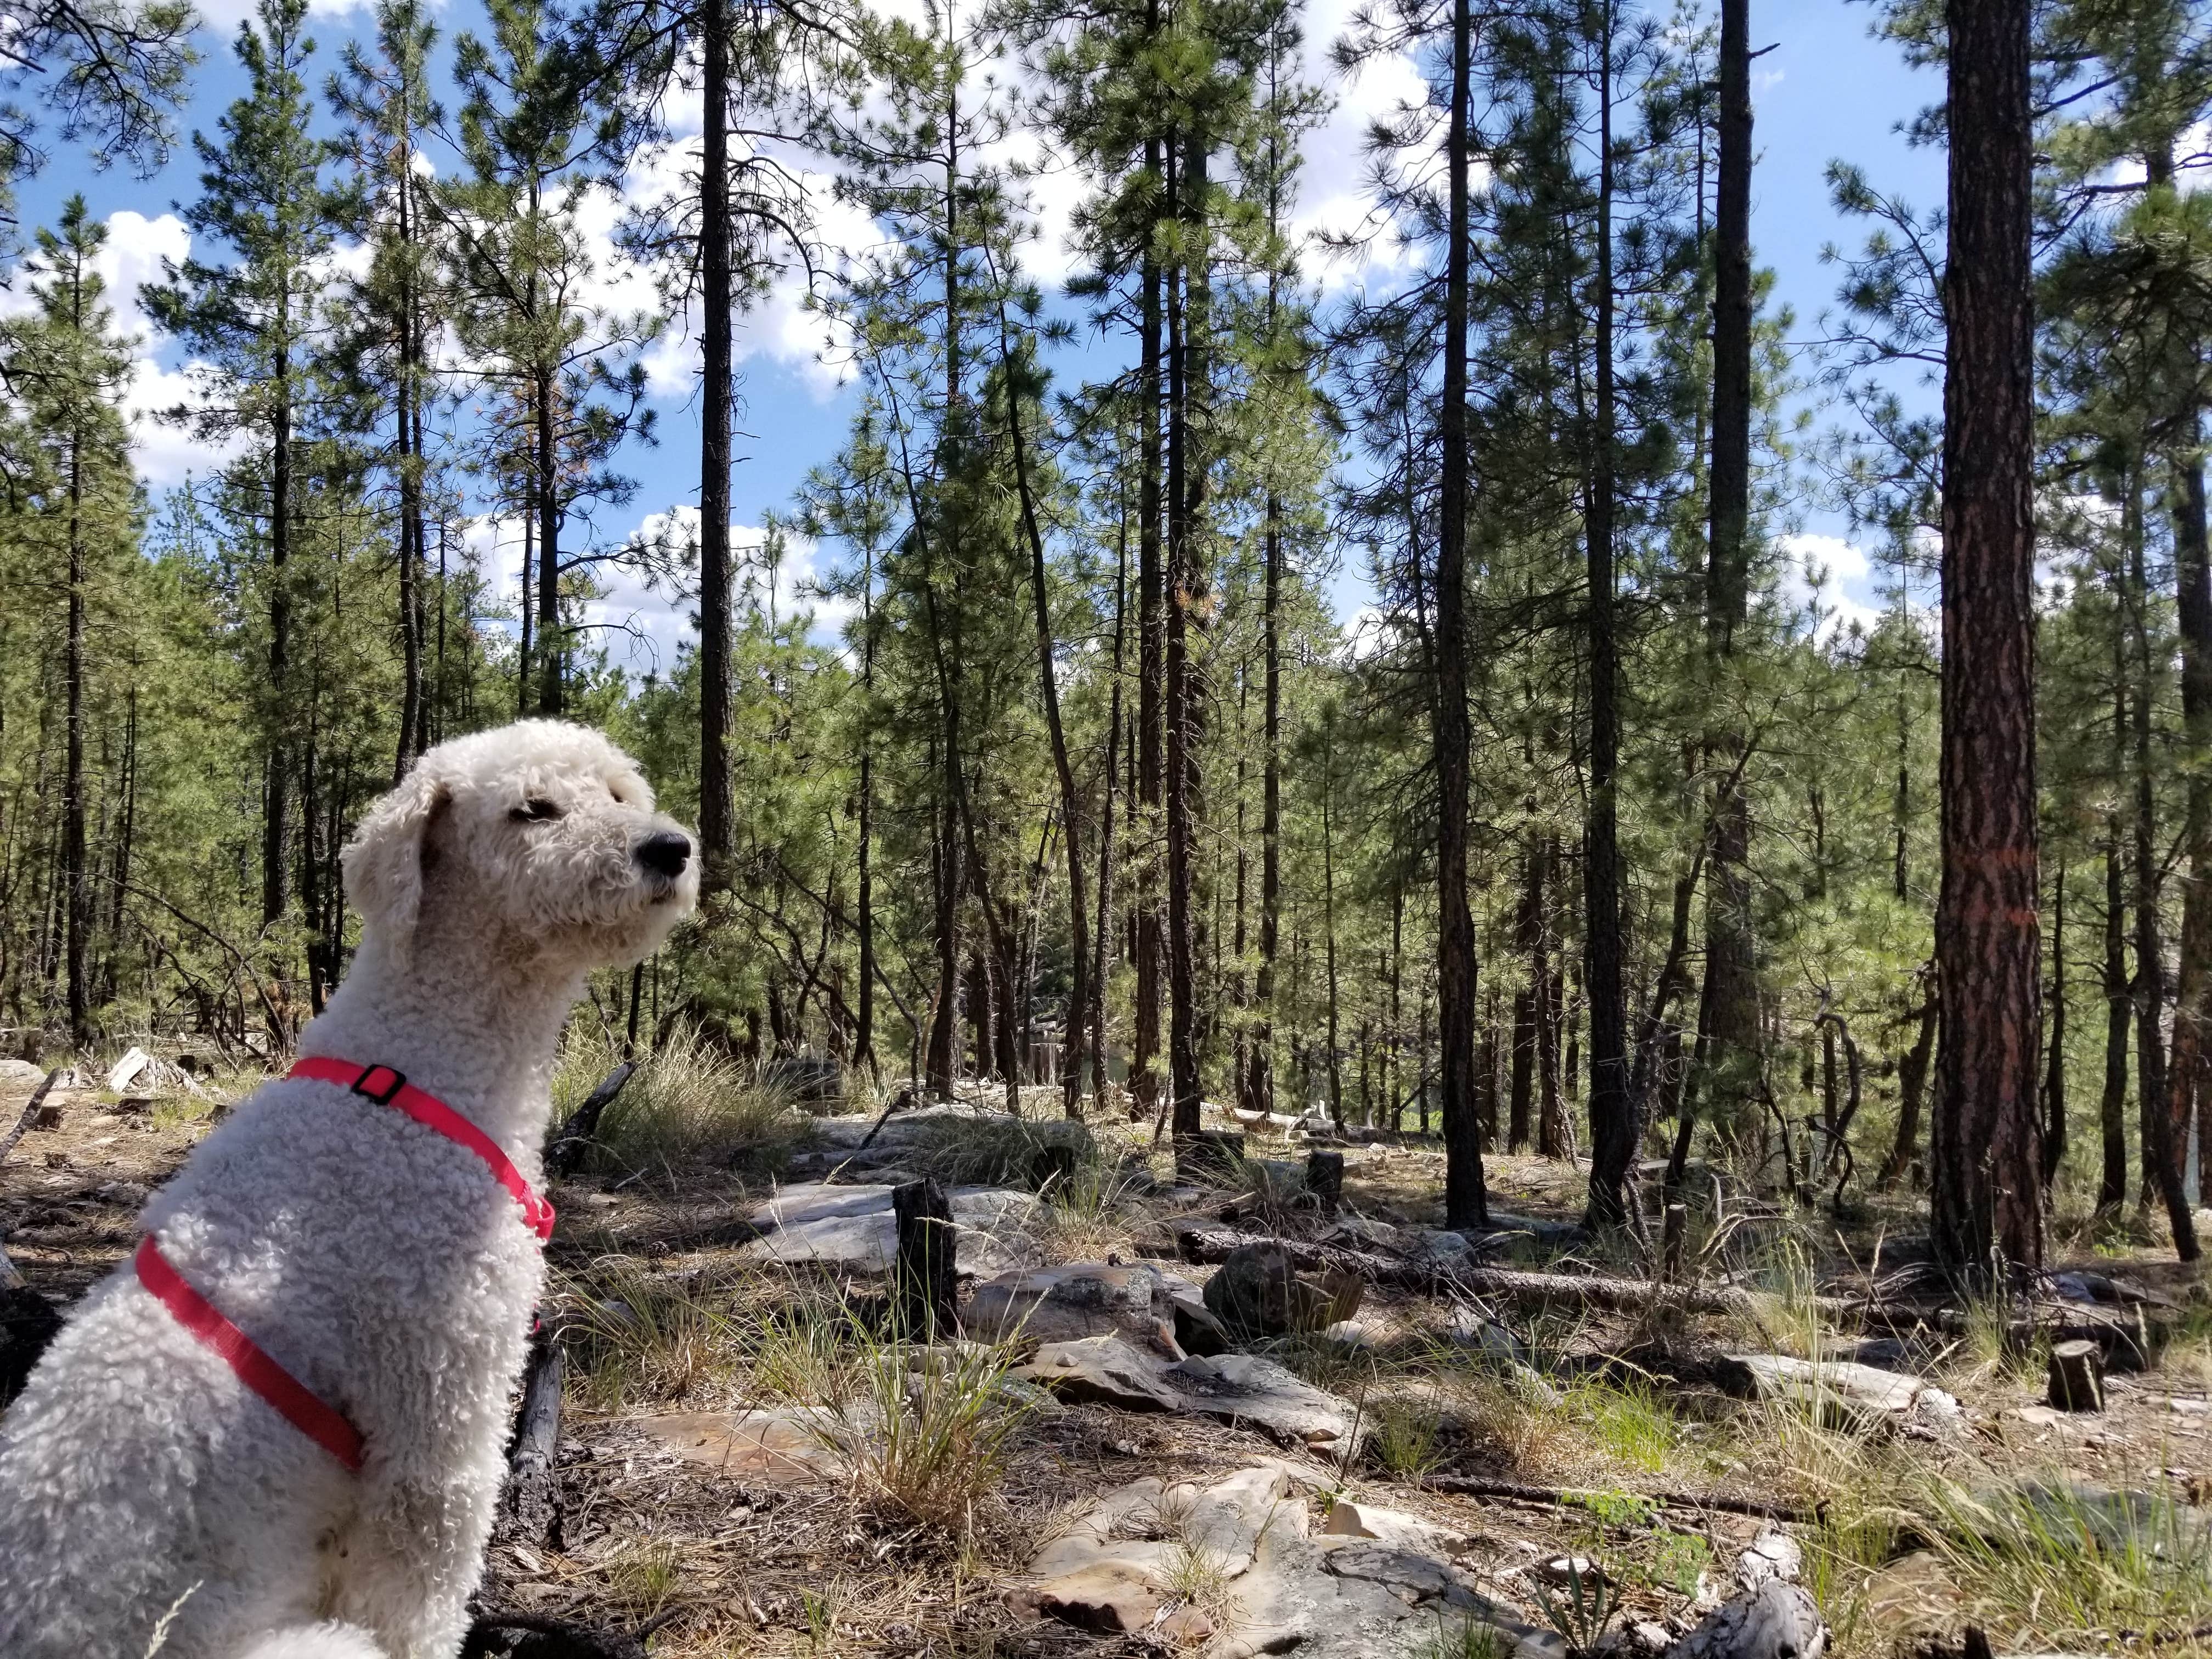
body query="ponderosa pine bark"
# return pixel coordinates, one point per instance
(2112, 1104)
(717, 830)
(2191, 1055)
(1615, 1116)
(1466, 1201)
(1151, 770)
(2161, 1147)
(1986, 1142)
(1732, 988)
(1189, 367)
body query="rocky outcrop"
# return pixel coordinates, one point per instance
(1248, 1557)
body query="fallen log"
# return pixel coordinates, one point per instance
(1206, 1244)
(1572, 1498)
(2123, 1333)
(530, 1506)
(566, 1155)
(531, 1636)
(24, 1123)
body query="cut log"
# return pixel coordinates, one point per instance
(1672, 1236)
(566, 1155)
(531, 1507)
(1325, 1179)
(2077, 1377)
(926, 1274)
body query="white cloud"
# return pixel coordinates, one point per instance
(1825, 570)
(644, 627)
(134, 256)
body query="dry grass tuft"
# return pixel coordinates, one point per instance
(689, 1102)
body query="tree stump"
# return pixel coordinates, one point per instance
(1672, 1235)
(530, 1506)
(925, 1277)
(1325, 1179)
(1211, 1156)
(2077, 1377)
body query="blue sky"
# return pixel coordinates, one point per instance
(1827, 89)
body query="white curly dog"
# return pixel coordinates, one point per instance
(159, 1485)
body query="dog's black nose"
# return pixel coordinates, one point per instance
(665, 853)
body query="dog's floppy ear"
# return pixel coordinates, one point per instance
(384, 859)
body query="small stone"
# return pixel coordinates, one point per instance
(1566, 1569)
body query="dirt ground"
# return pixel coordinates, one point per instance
(770, 1563)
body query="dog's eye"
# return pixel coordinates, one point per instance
(535, 810)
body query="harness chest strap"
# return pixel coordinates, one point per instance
(389, 1088)
(292, 1399)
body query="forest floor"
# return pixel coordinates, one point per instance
(749, 1465)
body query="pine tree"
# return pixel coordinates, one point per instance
(71, 369)
(256, 324)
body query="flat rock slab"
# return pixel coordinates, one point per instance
(1103, 1370)
(1240, 1389)
(775, 1447)
(1844, 1393)
(853, 1228)
(1056, 1303)
(1274, 1583)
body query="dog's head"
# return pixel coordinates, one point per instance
(541, 833)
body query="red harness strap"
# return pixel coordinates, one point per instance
(388, 1088)
(292, 1398)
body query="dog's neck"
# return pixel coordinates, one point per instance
(478, 1028)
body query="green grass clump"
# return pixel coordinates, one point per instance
(1626, 1422)
(925, 1434)
(2047, 1562)
(640, 1337)
(997, 1151)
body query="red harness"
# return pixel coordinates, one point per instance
(322, 1423)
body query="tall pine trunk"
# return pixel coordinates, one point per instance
(277, 805)
(2192, 1053)
(2112, 1104)
(1465, 1202)
(1189, 372)
(1078, 918)
(550, 652)
(1732, 993)
(1143, 1067)
(717, 832)
(2161, 1147)
(1986, 1143)
(1616, 1125)
(76, 895)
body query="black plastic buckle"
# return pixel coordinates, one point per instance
(381, 1096)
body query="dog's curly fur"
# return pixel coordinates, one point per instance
(379, 1263)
